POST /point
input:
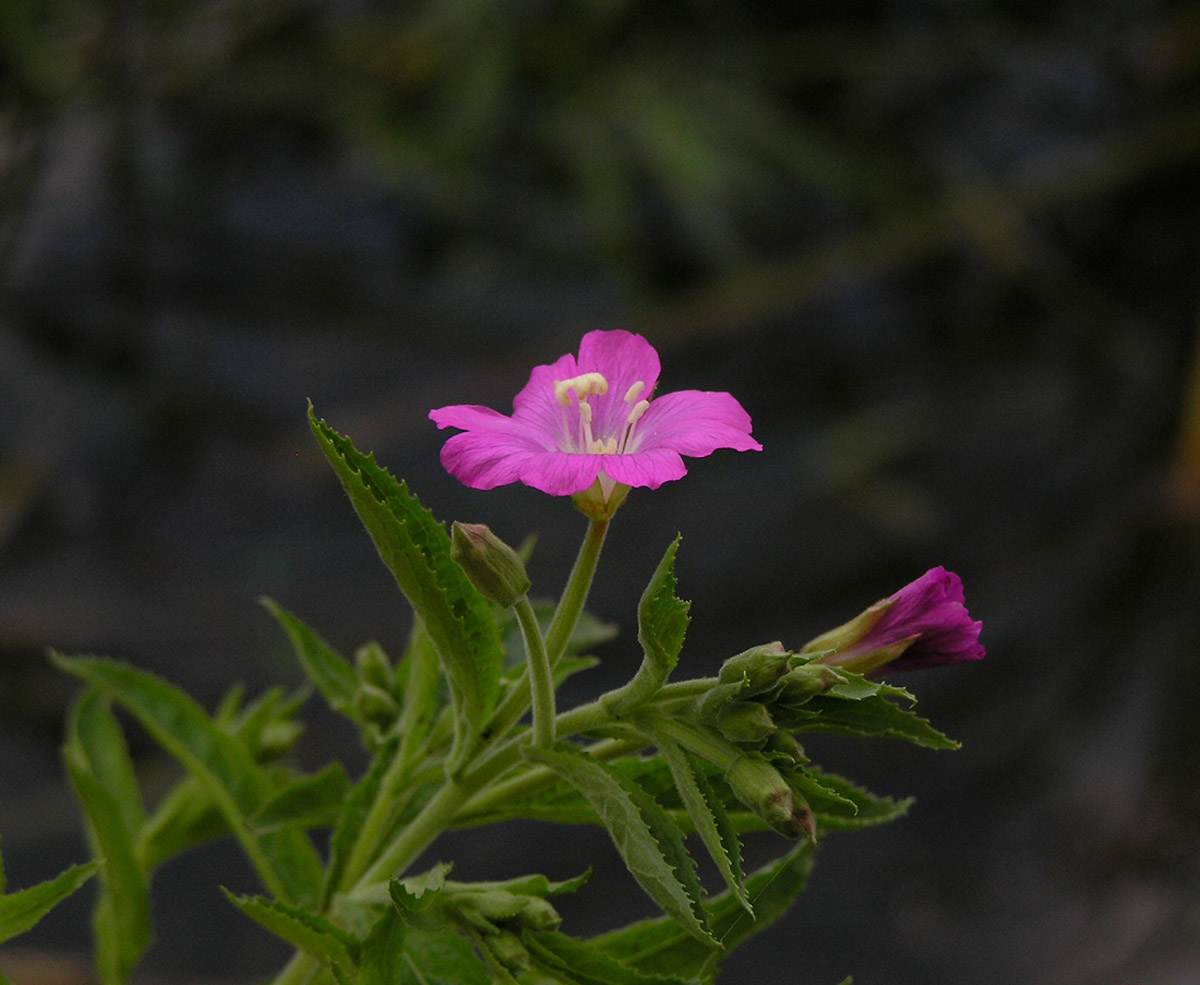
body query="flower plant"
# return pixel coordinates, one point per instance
(462, 730)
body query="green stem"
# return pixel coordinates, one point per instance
(574, 595)
(375, 825)
(562, 625)
(541, 678)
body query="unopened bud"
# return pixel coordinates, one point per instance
(744, 721)
(507, 949)
(762, 788)
(757, 669)
(492, 566)
(374, 667)
(375, 704)
(807, 681)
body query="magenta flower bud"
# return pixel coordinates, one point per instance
(925, 624)
(492, 566)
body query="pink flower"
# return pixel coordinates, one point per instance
(592, 420)
(925, 624)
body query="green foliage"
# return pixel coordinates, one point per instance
(416, 548)
(662, 622)
(650, 844)
(726, 764)
(22, 910)
(102, 773)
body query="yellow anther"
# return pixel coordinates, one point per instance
(639, 409)
(632, 393)
(584, 386)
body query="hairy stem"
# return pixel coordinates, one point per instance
(541, 677)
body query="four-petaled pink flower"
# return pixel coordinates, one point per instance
(590, 425)
(925, 624)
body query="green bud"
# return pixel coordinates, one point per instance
(507, 949)
(278, 737)
(375, 704)
(762, 788)
(744, 721)
(492, 566)
(538, 914)
(374, 667)
(757, 669)
(805, 682)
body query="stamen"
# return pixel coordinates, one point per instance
(639, 409)
(584, 386)
(632, 393)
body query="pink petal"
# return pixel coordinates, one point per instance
(484, 460)
(646, 468)
(561, 474)
(624, 359)
(695, 423)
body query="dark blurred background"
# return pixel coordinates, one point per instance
(945, 253)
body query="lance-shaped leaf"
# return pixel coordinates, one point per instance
(332, 673)
(708, 814)
(661, 947)
(583, 963)
(417, 550)
(21, 911)
(314, 801)
(662, 624)
(871, 715)
(102, 774)
(285, 860)
(840, 805)
(303, 929)
(649, 841)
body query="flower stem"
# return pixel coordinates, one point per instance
(566, 616)
(541, 678)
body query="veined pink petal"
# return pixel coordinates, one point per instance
(561, 438)
(646, 468)
(696, 423)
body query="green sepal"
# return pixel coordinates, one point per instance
(302, 928)
(648, 840)
(286, 860)
(662, 623)
(416, 548)
(22, 910)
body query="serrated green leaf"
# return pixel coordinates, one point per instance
(416, 548)
(302, 928)
(415, 893)
(648, 841)
(383, 950)
(660, 946)
(309, 801)
(331, 673)
(102, 774)
(186, 816)
(584, 963)
(285, 860)
(21, 911)
(868, 716)
(840, 805)
(396, 954)
(707, 813)
(662, 624)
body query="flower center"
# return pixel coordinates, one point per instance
(620, 438)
